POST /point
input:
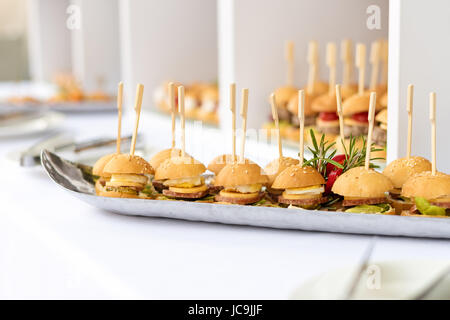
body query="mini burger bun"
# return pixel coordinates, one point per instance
(358, 103)
(241, 173)
(284, 94)
(210, 93)
(298, 177)
(116, 194)
(320, 87)
(400, 170)
(382, 116)
(293, 104)
(127, 164)
(359, 182)
(163, 155)
(324, 103)
(179, 167)
(217, 164)
(384, 100)
(99, 166)
(274, 168)
(426, 185)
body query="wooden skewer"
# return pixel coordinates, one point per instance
(384, 59)
(273, 104)
(375, 52)
(347, 61)
(119, 116)
(339, 112)
(137, 109)
(331, 63)
(371, 118)
(409, 109)
(361, 65)
(183, 129)
(233, 119)
(301, 118)
(433, 131)
(244, 107)
(313, 58)
(173, 110)
(290, 61)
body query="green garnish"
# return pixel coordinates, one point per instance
(355, 157)
(426, 208)
(370, 208)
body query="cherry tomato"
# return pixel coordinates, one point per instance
(328, 116)
(340, 158)
(332, 176)
(361, 117)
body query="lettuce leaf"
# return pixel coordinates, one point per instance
(370, 208)
(426, 208)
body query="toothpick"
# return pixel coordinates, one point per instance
(137, 109)
(313, 58)
(301, 118)
(384, 59)
(339, 112)
(273, 104)
(433, 131)
(244, 106)
(119, 115)
(290, 61)
(347, 61)
(173, 110)
(183, 130)
(361, 65)
(371, 118)
(331, 63)
(375, 52)
(409, 109)
(233, 119)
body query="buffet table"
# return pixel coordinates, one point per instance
(55, 246)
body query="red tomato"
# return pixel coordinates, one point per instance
(361, 117)
(340, 158)
(328, 116)
(332, 176)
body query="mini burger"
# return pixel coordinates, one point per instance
(284, 94)
(103, 177)
(242, 183)
(209, 104)
(384, 100)
(429, 193)
(364, 191)
(129, 177)
(310, 114)
(161, 96)
(379, 135)
(215, 166)
(183, 178)
(355, 111)
(301, 186)
(159, 158)
(399, 171)
(273, 169)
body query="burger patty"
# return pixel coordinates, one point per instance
(220, 198)
(214, 189)
(159, 185)
(328, 130)
(355, 131)
(309, 120)
(302, 202)
(358, 202)
(284, 114)
(180, 195)
(379, 136)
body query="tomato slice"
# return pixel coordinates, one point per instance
(361, 117)
(328, 116)
(332, 177)
(340, 158)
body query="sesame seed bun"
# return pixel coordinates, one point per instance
(116, 194)
(293, 104)
(128, 164)
(284, 94)
(426, 185)
(210, 93)
(382, 116)
(348, 90)
(384, 100)
(179, 167)
(274, 168)
(359, 182)
(320, 87)
(400, 170)
(241, 173)
(358, 103)
(328, 103)
(163, 155)
(217, 164)
(97, 170)
(298, 177)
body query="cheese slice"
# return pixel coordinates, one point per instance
(189, 190)
(308, 190)
(127, 180)
(300, 196)
(238, 195)
(185, 182)
(249, 188)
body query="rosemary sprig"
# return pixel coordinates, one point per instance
(355, 157)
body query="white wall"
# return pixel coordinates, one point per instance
(419, 33)
(258, 30)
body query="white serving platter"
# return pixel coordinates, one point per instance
(70, 176)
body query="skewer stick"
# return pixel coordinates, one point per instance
(384, 60)
(339, 112)
(273, 104)
(375, 52)
(173, 110)
(137, 109)
(347, 61)
(183, 129)
(290, 61)
(313, 59)
(233, 119)
(331, 63)
(361, 65)
(371, 118)
(409, 109)
(119, 115)
(433, 131)
(244, 106)
(301, 118)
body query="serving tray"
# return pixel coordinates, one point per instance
(71, 177)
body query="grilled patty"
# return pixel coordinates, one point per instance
(179, 195)
(220, 198)
(379, 136)
(355, 131)
(358, 202)
(159, 185)
(309, 120)
(302, 202)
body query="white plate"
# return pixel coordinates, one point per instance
(45, 122)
